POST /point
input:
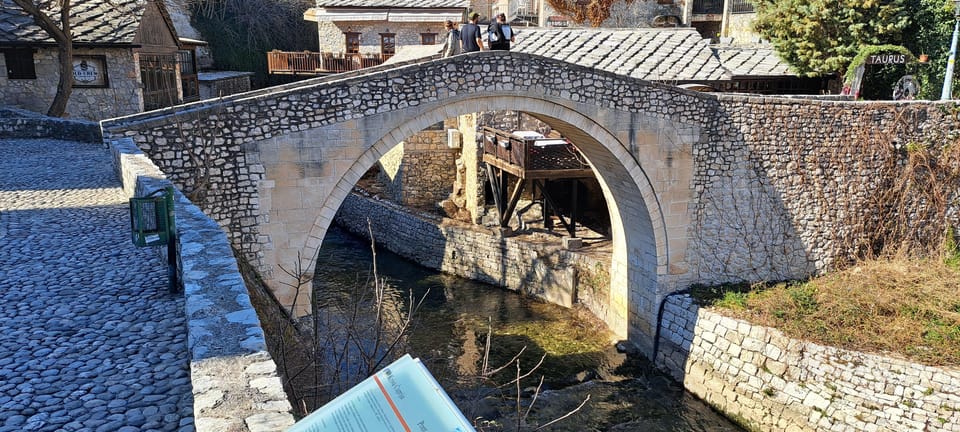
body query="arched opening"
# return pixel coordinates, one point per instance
(638, 230)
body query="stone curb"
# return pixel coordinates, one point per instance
(236, 386)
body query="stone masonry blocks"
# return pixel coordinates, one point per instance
(775, 382)
(742, 196)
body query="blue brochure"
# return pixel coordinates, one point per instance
(403, 397)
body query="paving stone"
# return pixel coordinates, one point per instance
(85, 314)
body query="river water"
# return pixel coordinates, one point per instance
(450, 331)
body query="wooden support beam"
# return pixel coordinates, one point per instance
(514, 198)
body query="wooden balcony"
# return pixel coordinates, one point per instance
(319, 63)
(532, 158)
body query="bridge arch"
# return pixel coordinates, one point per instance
(641, 243)
(273, 166)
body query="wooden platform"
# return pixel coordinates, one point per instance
(534, 160)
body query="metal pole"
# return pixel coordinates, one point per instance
(946, 94)
(173, 272)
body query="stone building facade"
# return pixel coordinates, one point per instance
(125, 59)
(381, 26)
(122, 96)
(333, 35)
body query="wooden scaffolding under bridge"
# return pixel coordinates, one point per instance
(529, 157)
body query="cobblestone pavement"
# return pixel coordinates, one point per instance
(90, 337)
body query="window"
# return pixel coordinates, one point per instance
(352, 42)
(428, 38)
(20, 64)
(388, 45)
(707, 7)
(741, 6)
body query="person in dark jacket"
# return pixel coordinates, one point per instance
(500, 33)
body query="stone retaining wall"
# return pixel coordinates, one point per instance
(236, 386)
(544, 270)
(786, 186)
(771, 382)
(17, 123)
(421, 170)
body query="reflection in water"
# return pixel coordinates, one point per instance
(450, 336)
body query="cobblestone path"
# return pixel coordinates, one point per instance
(90, 338)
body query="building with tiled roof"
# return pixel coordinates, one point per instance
(379, 27)
(126, 58)
(670, 55)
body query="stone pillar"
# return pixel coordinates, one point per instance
(469, 165)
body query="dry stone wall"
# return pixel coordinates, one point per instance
(785, 187)
(421, 170)
(773, 382)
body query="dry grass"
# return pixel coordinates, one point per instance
(898, 305)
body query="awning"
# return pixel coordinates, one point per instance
(391, 15)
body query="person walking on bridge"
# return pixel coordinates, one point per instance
(451, 46)
(500, 33)
(471, 39)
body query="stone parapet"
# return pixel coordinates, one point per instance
(17, 123)
(773, 382)
(236, 386)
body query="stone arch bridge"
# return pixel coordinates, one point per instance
(701, 188)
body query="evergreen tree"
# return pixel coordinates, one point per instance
(819, 37)
(241, 32)
(929, 32)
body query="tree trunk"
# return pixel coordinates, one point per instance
(64, 38)
(65, 87)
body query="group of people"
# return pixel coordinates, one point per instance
(470, 38)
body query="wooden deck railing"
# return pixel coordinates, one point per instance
(533, 158)
(309, 63)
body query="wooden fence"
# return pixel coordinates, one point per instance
(311, 63)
